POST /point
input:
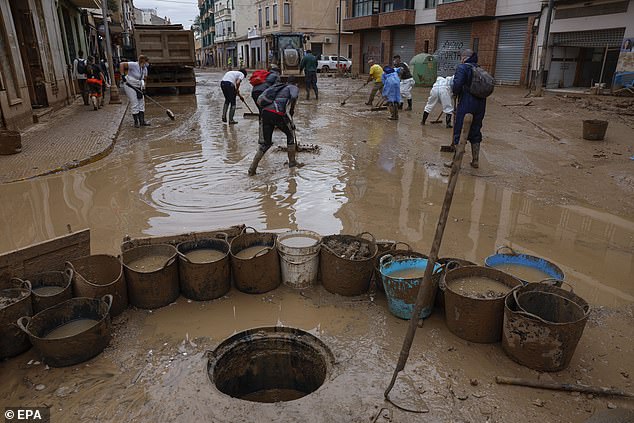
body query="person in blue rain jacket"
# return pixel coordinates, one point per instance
(392, 90)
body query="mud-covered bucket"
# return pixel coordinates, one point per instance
(98, 275)
(299, 258)
(255, 262)
(50, 288)
(204, 267)
(15, 302)
(384, 247)
(594, 129)
(543, 325)
(152, 275)
(70, 332)
(524, 267)
(474, 302)
(347, 263)
(402, 279)
(447, 263)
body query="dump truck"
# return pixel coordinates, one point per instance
(287, 52)
(171, 51)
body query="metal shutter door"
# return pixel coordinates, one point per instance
(510, 55)
(371, 48)
(599, 38)
(404, 43)
(452, 39)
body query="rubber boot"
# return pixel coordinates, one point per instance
(136, 120)
(292, 157)
(400, 106)
(425, 116)
(393, 108)
(224, 112)
(307, 95)
(142, 121)
(232, 113)
(256, 160)
(409, 104)
(448, 120)
(316, 95)
(475, 153)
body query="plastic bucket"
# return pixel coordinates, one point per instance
(543, 325)
(447, 263)
(258, 272)
(531, 263)
(402, 292)
(384, 247)
(594, 130)
(154, 285)
(476, 319)
(98, 275)
(346, 276)
(206, 278)
(15, 302)
(50, 288)
(299, 258)
(60, 351)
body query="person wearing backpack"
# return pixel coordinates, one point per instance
(278, 107)
(261, 80)
(230, 86)
(472, 85)
(407, 81)
(79, 73)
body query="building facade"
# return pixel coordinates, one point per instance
(149, 17)
(232, 20)
(207, 32)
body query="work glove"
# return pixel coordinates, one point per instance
(142, 85)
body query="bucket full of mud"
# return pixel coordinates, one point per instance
(392, 248)
(15, 302)
(594, 130)
(204, 266)
(299, 257)
(70, 332)
(347, 263)
(543, 325)
(50, 288)
(152, 275)
(255, 262)
(474, 302)
(270, 364)
(402, 279)
(98, 275)
(525, 267)
(447, 263)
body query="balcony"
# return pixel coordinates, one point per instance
(401, 17)
(222, 13)
(360, 23)
(466, 9)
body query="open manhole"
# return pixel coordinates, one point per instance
(270, 364)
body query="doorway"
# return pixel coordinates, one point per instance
(317, 49)
(29, 52)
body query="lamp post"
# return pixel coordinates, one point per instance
(114, 91)
(339, 37)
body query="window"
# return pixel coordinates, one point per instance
(426, 49)
(267, 16)
(365, 7)
(287, 14)
(275, 14)
(391, 5)
(349, 50)
(431, 4)
(260, 17)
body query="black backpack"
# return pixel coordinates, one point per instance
(482, 83)
(405, 72)
(270, 94)
(81, 66)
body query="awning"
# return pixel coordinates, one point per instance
(88, 4)
(599, 38)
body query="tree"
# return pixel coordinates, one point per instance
(196, 25)
(113, 5)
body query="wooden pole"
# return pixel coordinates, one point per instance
(569, 387)
(433, 255)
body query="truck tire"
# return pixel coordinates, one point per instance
(187, 90)
(325, 68)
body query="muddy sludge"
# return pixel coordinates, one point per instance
(347, 270)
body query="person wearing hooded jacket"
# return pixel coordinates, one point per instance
(271, 79)
(441, 92)
(392, 90)
(468, 103)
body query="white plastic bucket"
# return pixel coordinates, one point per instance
(299, 256)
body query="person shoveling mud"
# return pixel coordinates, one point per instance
(354, 250)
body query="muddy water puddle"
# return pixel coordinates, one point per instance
(190, 174)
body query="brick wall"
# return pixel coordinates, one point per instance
(386, 47)
(397, 18)
(527, 50)
(425, 33)
(465, 9)
(487, 33)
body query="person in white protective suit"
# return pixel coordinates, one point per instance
(133, 76)
(407, 81)
(440, 91)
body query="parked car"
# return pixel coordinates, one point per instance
(328, 63)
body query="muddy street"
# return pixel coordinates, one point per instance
(540, 189)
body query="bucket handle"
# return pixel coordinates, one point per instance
(184, 257)
(169, 262)
(23, 283)
(70, 266)
(407, 246)
(298, 262)
(373, 239)
(521, 311)
(224, 236)
(23, 323)
(108, 300)
(125, 243)
(386, 259)
(244, 231)
(70, 273)
(506, 247)
(267, 249)
(556, 282)
(450, 265)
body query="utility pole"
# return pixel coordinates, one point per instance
(339, 37)
(542, 59)
(114, 91)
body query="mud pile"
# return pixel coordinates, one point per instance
(353, 250)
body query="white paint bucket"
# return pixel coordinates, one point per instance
(299, 256)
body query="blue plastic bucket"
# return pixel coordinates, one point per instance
(402, 292)
(551, 270)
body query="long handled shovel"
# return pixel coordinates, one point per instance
(425, 291)
(169, 113)
(250, 114)
(343, 103)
